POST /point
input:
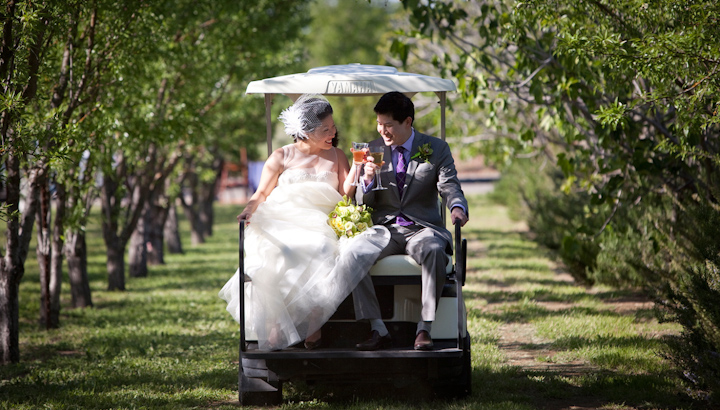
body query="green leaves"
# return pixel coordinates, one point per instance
(612, 116)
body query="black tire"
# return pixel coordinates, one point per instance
(261, 398)
(458, 384)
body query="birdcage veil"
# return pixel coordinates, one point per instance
(305, 115)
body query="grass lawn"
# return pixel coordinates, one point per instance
(539, 341)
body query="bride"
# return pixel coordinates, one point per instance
(298, 275)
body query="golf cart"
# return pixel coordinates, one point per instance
(446, 369)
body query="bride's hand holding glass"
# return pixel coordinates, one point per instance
(359, 150)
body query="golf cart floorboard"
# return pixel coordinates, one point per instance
(442, 350)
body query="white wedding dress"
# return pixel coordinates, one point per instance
(298, 274)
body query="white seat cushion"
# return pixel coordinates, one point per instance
(400, 265)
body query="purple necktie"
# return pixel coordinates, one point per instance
(400, 170)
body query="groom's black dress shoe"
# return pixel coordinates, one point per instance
(375, 342)
(423, 341)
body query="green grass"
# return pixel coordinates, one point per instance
(167, 342)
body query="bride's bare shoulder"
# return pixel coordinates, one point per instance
(278, 157)
(339, 155)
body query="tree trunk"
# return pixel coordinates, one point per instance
(205, 207)
(75, 248)
(76, 255)
(115, 253)
(115, 266)
(49, 250)
(190, 206)
(43, 249)
(207, 195)
(12, 268)
(197, 231)
(56, 258)
(171, 232)
(12, 264)
(154, 230)
(137, 251)
(9, 311)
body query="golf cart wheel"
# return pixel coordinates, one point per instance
(262, 397)
(457, 383)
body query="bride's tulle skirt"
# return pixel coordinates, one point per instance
(298, 273)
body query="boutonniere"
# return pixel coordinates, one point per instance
(424, 152)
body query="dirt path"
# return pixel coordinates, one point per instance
(559, 346)
(526, 350)
(516, 337)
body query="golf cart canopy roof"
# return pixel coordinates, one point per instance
(350, 80)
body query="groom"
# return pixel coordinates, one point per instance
(417, 169)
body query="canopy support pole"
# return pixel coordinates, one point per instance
(443, 97)
(268, 121)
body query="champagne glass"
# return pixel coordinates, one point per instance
(359, 149)
(377, 153)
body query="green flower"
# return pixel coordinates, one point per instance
(349, 220)
(424, 152)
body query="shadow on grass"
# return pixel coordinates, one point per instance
(507, 388)
(141, 388)
(123, 370)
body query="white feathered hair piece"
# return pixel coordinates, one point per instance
(301, 118)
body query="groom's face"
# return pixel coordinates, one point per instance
(393, 132)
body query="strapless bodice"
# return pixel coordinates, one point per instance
(295, 176)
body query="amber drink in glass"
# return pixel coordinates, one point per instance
(377, 154)
(359, 150)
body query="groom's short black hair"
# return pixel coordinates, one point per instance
(397, 105)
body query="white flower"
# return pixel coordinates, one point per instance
(348, 220)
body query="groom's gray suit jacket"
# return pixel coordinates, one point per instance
(423, 182)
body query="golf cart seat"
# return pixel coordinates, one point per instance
(401, 265)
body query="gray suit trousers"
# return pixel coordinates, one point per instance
(427, 248)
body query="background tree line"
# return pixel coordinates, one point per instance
(134, 109)
(132, 105)
(604, 116)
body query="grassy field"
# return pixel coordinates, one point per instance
(539, 341)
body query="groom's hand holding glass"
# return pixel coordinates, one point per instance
(370, 169)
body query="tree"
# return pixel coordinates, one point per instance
(30, 141)
(588, 80)
(56, 58)
(196, 54)
(74, 91)
(621, 96)
(264, 41)
(362, 25)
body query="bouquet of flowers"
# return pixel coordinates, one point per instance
(349, 220)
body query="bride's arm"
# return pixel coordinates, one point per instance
(345, 176)
(347, 187)
(268, 180)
